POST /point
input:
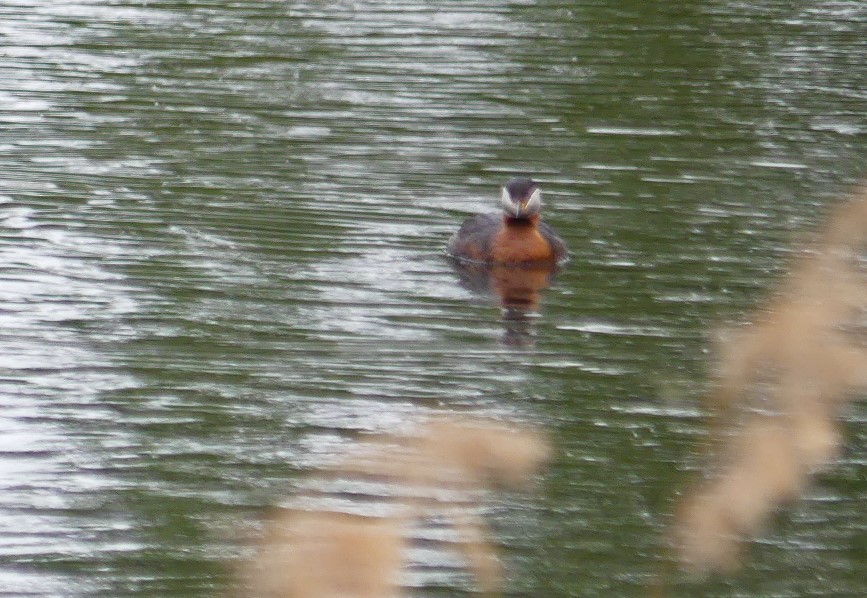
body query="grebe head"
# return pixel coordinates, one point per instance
(521, 198)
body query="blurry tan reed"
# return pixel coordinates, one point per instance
(471, 453)
(310, 554)
(442, 471)
(780, 384)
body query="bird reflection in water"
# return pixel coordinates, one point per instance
(517, 289)
(349, 528)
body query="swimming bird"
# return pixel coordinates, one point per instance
(517, 237)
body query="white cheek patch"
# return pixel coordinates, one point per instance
(534, 204)
(506, 202)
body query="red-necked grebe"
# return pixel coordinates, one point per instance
(516, 237)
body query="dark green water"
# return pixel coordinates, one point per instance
(221, 256)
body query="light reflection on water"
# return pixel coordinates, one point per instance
(222, 227)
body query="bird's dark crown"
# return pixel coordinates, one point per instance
(520, 187)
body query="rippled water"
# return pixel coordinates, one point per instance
(221, 256)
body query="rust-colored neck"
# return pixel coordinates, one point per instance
(529, 221)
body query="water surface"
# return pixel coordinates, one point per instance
(222, 231)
